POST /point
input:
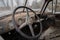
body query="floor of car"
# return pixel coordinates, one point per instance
(52, 33)
(12, 35)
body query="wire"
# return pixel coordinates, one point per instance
(25, 4)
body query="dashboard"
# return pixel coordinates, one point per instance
(6, 23)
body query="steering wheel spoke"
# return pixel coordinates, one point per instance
(27, 16)
(31, 29)
(23, 25)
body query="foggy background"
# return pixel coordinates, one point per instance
(9, 5)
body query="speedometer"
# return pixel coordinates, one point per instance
(20, 21)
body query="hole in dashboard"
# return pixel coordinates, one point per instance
(11, 25)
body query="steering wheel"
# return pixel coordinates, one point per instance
(19, 27)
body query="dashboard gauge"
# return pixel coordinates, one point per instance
(11, 25)
(20, 21)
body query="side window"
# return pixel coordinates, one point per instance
(54, 5)
(58, 6)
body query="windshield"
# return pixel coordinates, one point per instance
(14, 3)
(10, 5)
